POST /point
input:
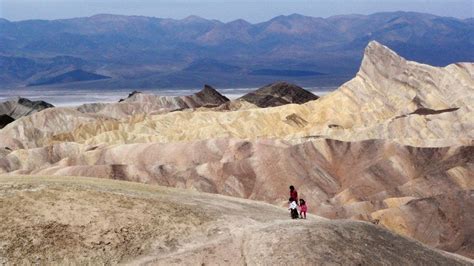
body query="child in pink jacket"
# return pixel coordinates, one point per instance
(303, 209)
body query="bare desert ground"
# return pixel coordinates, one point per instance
(78, 220)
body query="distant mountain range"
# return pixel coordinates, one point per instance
(148, 52)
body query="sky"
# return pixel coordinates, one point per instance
(225, 10)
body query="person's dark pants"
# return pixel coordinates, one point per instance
(294, 214)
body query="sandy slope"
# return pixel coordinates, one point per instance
(86, 220)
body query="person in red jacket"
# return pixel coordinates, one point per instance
(294, 194)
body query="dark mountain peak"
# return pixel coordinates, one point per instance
(19, 107)
(208, 87)
(38, 105)
(209, 96)
(279, 93)
(279, 88)
(209, 90)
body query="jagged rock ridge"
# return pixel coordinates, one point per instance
(19, 107)
(279, 93)
(143, 103)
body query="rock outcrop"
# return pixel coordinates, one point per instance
(144, 103)
(92, 221)
(207, 97)
(20, 107)
(130, 95)
(279, 93)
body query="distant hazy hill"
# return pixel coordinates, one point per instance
(71, 76)
(154, 52)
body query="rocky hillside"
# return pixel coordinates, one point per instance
(92, 221)
(278, 93)
(19, 107)
(394, 145)
(142, 103)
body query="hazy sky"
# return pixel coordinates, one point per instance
(254, 11)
